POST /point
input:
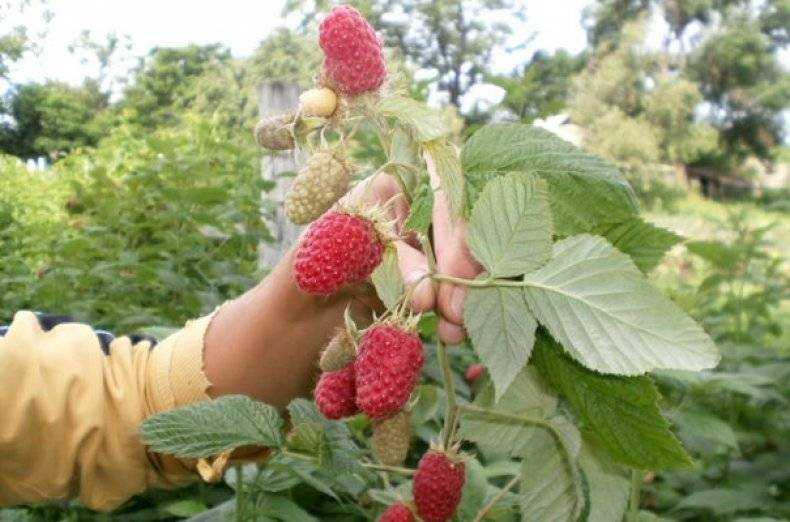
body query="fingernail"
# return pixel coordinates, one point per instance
(414, 277)
(457, 302)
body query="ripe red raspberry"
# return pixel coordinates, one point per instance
(338, 248)
(353, 59)
(438, 484)
(388, 367)
(397, 513)
(335, 394)
(474, 372)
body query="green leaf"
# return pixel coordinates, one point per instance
(608, 487)
(723, 501)
(502, 330)
(421, 212)
(550, 486)
(527, 398)
(448, 168)
(698, 429)
(426, 123)
(714, 252)
(597, 304)
(387, 278)
(211, 427)
(329, 442)
(619, 414)
(510, 227)
(584, 190)
(283, 508)
(405, 159)
(646, 244)
(184, 508)
(474, 493)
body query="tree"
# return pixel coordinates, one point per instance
(455, 38)
(541, 88)
(606, 19)
(162, 85)
(15, 39)
(739, 73)
(229, 92)
(635, 111)
(52, 119)
(106, 54)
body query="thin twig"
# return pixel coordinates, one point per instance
(449, 390)
(391, 469)
(478, 282)
(488, 507)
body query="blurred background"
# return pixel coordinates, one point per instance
(131, 188)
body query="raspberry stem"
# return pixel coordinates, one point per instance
(391, 469)
(449, 389)
(479, 283)
(488, 507)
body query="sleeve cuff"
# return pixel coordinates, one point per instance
(178, 367)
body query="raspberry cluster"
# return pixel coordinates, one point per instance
(378, 382)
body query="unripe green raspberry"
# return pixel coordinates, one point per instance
(274, 133)
(316, 188)
(338, 353)
(391, 438)
(320, 102)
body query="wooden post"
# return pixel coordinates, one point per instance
(276, 98)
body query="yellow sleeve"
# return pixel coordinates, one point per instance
(69, 414)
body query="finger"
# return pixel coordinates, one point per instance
(414, 268)
(452, 253)
(450, 333)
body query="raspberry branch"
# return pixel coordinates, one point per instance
(488, 507)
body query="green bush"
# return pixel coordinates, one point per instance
(145, 229)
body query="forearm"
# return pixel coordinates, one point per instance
(265, 344)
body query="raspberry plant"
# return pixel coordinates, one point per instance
(564, 420)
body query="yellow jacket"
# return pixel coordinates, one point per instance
(69, 414)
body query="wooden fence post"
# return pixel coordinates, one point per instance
(275, 98)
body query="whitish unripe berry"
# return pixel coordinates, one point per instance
(320, 102)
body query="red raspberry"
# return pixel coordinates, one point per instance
(354, 62)
(335, 393)
(388, 367)
(474, 372)
(338, 248)
(397, 513)
(438, 484)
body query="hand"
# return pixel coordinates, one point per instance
(450, 248)
(266, 343)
